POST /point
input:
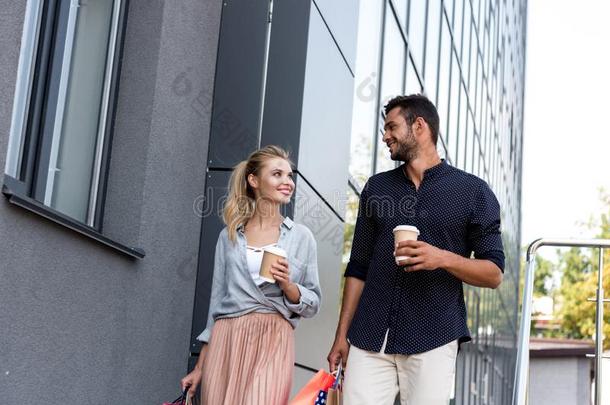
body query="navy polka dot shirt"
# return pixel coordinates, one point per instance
(422, 310)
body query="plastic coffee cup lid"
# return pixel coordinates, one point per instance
(276, 251)
(406, 228)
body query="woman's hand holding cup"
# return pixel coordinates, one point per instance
(281, 273)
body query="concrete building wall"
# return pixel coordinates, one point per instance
(560, 381)
(80, 322)
(605, 383)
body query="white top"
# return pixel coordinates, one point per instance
(255, 258)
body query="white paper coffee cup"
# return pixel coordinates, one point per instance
(270, 256)
(402, 233)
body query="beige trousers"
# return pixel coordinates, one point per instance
(422, 379)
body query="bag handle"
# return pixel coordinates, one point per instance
(338, 377)
(180, 400)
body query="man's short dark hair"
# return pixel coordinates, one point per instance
(413, 106)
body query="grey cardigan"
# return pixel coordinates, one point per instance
(234, 292)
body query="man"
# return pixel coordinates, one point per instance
(402, 321)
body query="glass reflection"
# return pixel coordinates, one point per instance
(365, 90)
(417, 30)
(391, 82)
(472, 112)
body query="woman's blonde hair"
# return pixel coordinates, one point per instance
(241, 202)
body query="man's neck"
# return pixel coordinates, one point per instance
(415, 169)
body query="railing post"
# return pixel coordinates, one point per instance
(522, 366)
(523, 353)
(599, 329)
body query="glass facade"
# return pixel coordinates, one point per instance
(468, 57)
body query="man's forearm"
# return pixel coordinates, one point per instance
(477, 272)
(352, 290)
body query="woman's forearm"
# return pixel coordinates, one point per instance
(201, 359)
(292, 293)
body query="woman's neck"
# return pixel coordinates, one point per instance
(266, 215)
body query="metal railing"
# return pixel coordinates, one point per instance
(522, 367)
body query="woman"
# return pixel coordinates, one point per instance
(248, 344)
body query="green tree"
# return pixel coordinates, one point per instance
(544, 286)
(575, 266)
(577, 314)
(543, 278)
(579, 269)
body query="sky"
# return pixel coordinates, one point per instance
(566, 133)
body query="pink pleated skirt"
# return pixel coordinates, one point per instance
(250, 361)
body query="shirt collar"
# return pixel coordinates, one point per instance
(428, 173)
(288, 223)
(436, 170)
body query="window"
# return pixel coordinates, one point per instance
(432, 49)
(461, 133)
(400, 6)
(393, 60)
(417, 30)
(62, 111)
(366, 91)
(454, 118)
(443, 90)
(412, 84)
(449, 9)
(458, 16)
(392, 83)
(465, 48)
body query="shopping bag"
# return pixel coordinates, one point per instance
(334, 397)
(335, 392)
(309, 394)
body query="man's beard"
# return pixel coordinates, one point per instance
(407, 150)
